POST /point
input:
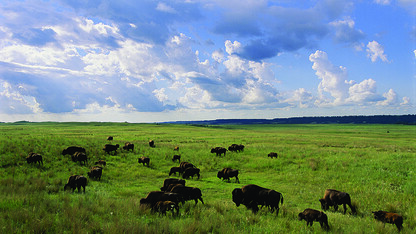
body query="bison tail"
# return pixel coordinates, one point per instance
(281, 200)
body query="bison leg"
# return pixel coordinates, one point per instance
(345, 208)
(237, 180)
(335, 207)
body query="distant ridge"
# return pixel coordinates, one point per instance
(374, 119)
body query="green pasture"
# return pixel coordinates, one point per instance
(375, 164)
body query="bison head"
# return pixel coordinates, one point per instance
(238, 196)
(324, 204)
(220, 174)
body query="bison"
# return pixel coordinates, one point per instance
(190, 172)
(227, 173)
(185, 165)
(388, 217)
(109, 138)
(144, 160)
(76, 181)
(334, 198)
(164, 206)
(219, 151)
(311, 215)
(173, 170)
(272, 155)
(176, 148)
(253, 195)
(72, 149)
(95, 172)
(188, 193)
(176, 158)
(101, 163)
(152, 143)
(170, 181)
(236, 148)
(128, 146)
(271, 199)
(152, 198)
(79, 157)
(34, 158)
(110, 148)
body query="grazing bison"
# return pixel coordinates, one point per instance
(236, 148)
(76, 181)
(72, 149)
(164, 206)
(144, 160)
(227, 173)
(188, 193)
(101, 163)
(190, 172)
(185, 165)
(170, 181)
(152, 143)
(34, 158)
(80, 157)
(219, 150)
(152, 198)
(176, 148)
(272, 155)
(95, 172)
(109, 138)
(173, 170)
(311, 215)
(253, 195)
(387, 217)
(110, 148)
(176, 158)
(128, 146)
(271, 199)
(334, 198)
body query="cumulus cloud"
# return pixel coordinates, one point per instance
(345, 32)
(334, 88)
(376, 51)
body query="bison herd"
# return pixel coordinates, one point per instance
(174, 192)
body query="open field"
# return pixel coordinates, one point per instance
(375, 164)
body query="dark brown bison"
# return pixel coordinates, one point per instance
(272, 155)
(253, 195)
(144, 160)
(227, 173)
(109, 138)
(164, 206)
(34, 158)
(72, 149)
(334, 198)
(219, 151)
(95, 172)
(76, 181)
(152, 143)
(270, 198)
(311, 215)
(170, 181)
(152, 198)
(176, 148)
(173, 170)
(80, 157)
(111, 148)
(128, 146)
(188, 193)
(101, 163)
(387, 217)
(236, 148)
(176, 158)
(190, 172)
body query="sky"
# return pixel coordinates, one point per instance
(177, 60)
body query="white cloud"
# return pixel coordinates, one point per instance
(165, 8)
(345, 32)
(390, 99)
(160, 94)
(363, 92)
(232, 47)
(376, 51)
(383, 2)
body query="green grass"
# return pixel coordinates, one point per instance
(375, 167)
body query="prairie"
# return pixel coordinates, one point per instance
(375, 164)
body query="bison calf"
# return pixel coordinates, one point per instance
(387, 217)
(34, 158)
(173, 170)
(311, 215)
(272, 155)
(176, 158)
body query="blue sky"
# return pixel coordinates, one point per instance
(152, 61)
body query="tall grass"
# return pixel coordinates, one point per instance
(375, 167)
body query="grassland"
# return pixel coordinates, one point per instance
(375, 164)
